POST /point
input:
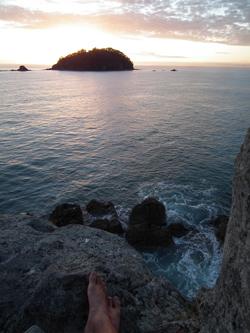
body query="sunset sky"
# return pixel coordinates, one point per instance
(148, 31)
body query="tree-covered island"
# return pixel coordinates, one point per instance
(106, 59)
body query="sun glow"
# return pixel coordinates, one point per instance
(46, 46)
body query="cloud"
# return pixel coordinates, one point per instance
(163, 56)
(223, 53)
(208, 20)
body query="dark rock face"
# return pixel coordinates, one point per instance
(23, 69)
(34, 329)
(66, 214)
(147, 225)
(226, 308)
(104, 216)
(178, 230)
(99, 208)
(44, 274)
(220, 225)
(150, 212)
(113, 225)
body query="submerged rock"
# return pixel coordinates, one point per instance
(220, 225)
(147, 225)
(44, 277)
(178, 229)
(66, 214)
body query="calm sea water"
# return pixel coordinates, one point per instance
(122, 136)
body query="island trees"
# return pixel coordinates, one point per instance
(106, 59)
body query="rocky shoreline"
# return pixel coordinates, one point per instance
(44, 267)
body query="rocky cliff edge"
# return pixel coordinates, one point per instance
(226, 309)
(44, 272)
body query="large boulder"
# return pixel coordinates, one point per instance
(220, 226)
(150, 212)
(147, 225)
(100, 208)
(44, 278)
(66, 214)
(103, 215)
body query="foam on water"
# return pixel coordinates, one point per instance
(194, 261)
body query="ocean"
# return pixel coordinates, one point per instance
(123, 136)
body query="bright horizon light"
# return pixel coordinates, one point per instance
(43, 31)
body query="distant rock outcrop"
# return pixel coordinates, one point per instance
(107, 59)
(22, 69)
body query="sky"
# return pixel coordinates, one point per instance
(157, 32)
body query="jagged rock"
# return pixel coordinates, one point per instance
(178, 229)
(113, 225)
(220, 225)
(66, 214)
(150, 212)
(141, 237)
(23, 69)
(147, 225)
(226, 308)
(34, 329)
(100, 208)
(43, 280)
(104, 216)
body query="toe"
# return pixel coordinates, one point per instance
(93, 277)
(101, 283)
(110, 302)
(116, 302)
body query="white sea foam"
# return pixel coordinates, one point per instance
(194, 261)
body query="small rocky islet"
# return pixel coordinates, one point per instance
(105, 59)
(45, 262)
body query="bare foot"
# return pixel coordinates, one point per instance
(114, 308)
(101, 319)
(97, 294)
